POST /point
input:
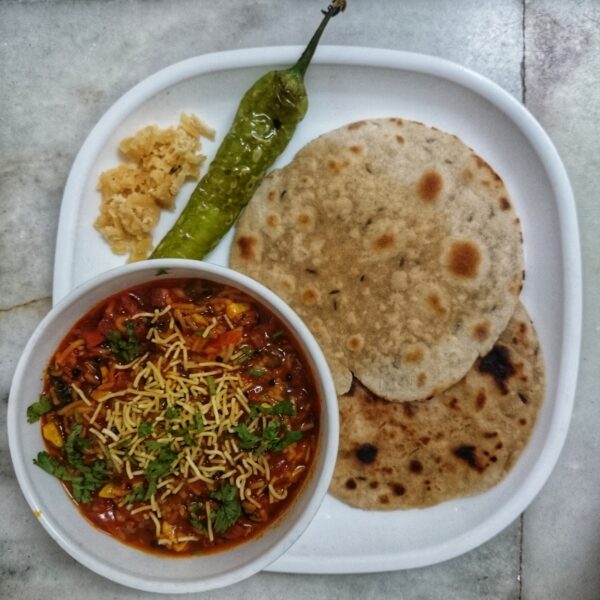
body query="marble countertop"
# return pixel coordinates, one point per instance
(63, 64)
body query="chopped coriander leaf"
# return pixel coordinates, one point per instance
(84, 482)
(172, 412)
(245, 354)
(153, 445)
(124, 442)
(125, 349)
(226, 493)
(270, 436)
(247, 440)
(229, 510)
(159, 467)
(289, 437)
(94, 478)
(145, 429)
(138, 493)
(199, 332)
(197, 516)
(284, 408)
(210, 382)
(189, 440)
(74, 445)
(198, 422)
(271, 439)
(54, 467)
(39, 408)
(255, 372)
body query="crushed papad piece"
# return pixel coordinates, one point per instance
(134, 193)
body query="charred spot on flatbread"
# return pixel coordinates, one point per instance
(468, 453)
(366, 453)
(273, 220)
(246, 246)
(498, 364)
(464, 259)
(303, 219)
(481, 330)
(429, 186)
(480, 399)
(309, 295)
(337, 166)
(355, 343)
(414, 355)
(399, 489)
(415, 466)
(384, 242)
(436, 304)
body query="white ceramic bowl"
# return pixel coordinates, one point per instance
(99, 551)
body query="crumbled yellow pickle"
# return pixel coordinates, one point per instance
(134, 193)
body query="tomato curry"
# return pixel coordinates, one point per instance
(180, 415)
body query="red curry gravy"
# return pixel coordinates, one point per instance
(180, 415)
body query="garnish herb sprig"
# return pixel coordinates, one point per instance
(84, 478)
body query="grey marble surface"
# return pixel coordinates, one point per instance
(64, 62)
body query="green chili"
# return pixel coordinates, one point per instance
(263, 125)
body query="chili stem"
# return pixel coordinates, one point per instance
(332, 10)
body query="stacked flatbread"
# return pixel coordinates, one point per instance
(462, 441)
(400, 249)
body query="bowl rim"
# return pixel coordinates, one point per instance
(321, 474)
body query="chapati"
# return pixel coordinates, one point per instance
(399, 247)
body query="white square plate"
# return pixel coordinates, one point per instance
(346, 84)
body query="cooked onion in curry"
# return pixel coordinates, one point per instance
(180, 415)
